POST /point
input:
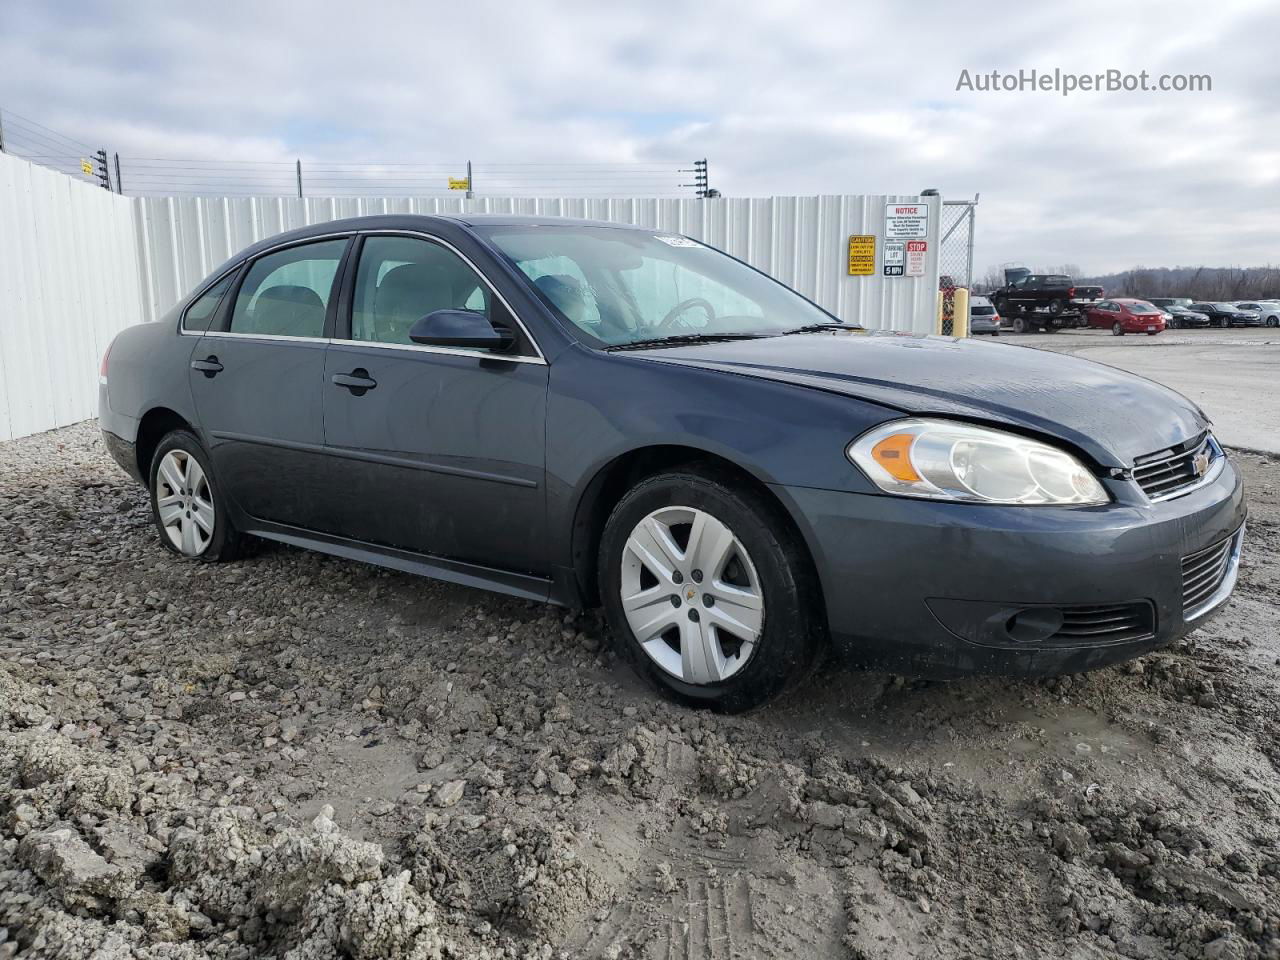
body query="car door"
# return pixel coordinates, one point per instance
(440, 450)
(1103, 315)
(256, 380)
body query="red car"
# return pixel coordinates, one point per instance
(1125, 315)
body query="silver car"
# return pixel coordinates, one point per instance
(983, 317)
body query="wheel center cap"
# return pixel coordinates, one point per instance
(690, 593)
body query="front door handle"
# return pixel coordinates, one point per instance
(357, 381)
(209, 366)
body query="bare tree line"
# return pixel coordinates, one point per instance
(1198, 283)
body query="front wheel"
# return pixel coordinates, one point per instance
(708, 591)
(1224, 323)
(186, 505)
(1117, 330)
(1273, 321)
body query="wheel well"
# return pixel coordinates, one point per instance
(155, 425)
(617, 477)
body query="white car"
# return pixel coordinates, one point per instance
(983, 317)
(1269, 310)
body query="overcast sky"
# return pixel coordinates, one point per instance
(782, 98)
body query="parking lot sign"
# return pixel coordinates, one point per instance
(895, 257)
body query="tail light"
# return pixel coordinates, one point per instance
(1071, 292)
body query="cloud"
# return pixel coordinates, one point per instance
(809, 97)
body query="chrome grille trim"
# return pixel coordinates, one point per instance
(1171, 472)
(1209, 575)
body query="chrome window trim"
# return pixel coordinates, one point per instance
(1216, 466)
(1219, 596)
(228, 335)
(445, 351)
(453, 351)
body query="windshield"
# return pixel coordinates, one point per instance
(624, 286)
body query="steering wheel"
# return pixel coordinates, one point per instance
(674, 313)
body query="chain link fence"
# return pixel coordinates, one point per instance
(955, 256)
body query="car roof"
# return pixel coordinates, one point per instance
(421, 221)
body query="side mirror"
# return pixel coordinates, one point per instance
(460, 328)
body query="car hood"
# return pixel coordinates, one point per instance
(1110, 415)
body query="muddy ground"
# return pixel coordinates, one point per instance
(305, 757)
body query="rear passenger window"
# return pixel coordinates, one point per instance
(200, 313)
(286, 294)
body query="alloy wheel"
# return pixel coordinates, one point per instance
(691, 595)
(184, 503)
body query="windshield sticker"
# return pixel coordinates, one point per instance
(678, 241)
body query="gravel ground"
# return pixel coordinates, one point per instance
(297, 756)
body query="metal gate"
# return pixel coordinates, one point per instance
(955, 259)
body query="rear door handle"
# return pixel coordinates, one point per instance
(209, 366)
(357, 381)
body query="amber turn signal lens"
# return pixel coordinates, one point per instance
(894, 454)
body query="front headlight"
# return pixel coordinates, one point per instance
(944, 460)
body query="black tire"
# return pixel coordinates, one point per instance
(1020, 325)
(1055, 308)
(1273, 321)
(1224, 323)
(1117, 330)
(793, 629)
(226, 542)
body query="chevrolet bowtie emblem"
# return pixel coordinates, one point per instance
(1200, 463)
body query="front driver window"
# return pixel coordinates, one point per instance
(402, 279)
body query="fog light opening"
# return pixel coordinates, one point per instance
(1033, 625)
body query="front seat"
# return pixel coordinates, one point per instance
(407, 294)
(566, 293)
(288, 310)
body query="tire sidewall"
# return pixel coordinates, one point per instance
(220, 545)
(787, 642)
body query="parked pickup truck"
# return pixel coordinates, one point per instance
(1044, 300)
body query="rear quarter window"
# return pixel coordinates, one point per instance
(201, 313)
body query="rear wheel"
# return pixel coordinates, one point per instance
(1020, 325)
(1055, 307)
(1117, 330)
(186, 505)
(708, 591)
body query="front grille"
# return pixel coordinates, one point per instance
(1203, 573)
(1106, 623)
(1168, 472)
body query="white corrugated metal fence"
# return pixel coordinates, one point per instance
(77, 264)
(69, 281)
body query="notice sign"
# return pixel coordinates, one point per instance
(862, 256)
(895, 257)
(916, 249)
(906, 221)
(459, 183)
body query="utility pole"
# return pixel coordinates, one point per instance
(119, 182)
(470, 183)
(299, 179)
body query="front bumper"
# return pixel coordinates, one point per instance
(912, 586)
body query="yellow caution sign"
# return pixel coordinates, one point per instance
(87, 167)
(862, 255)
(459, 183)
